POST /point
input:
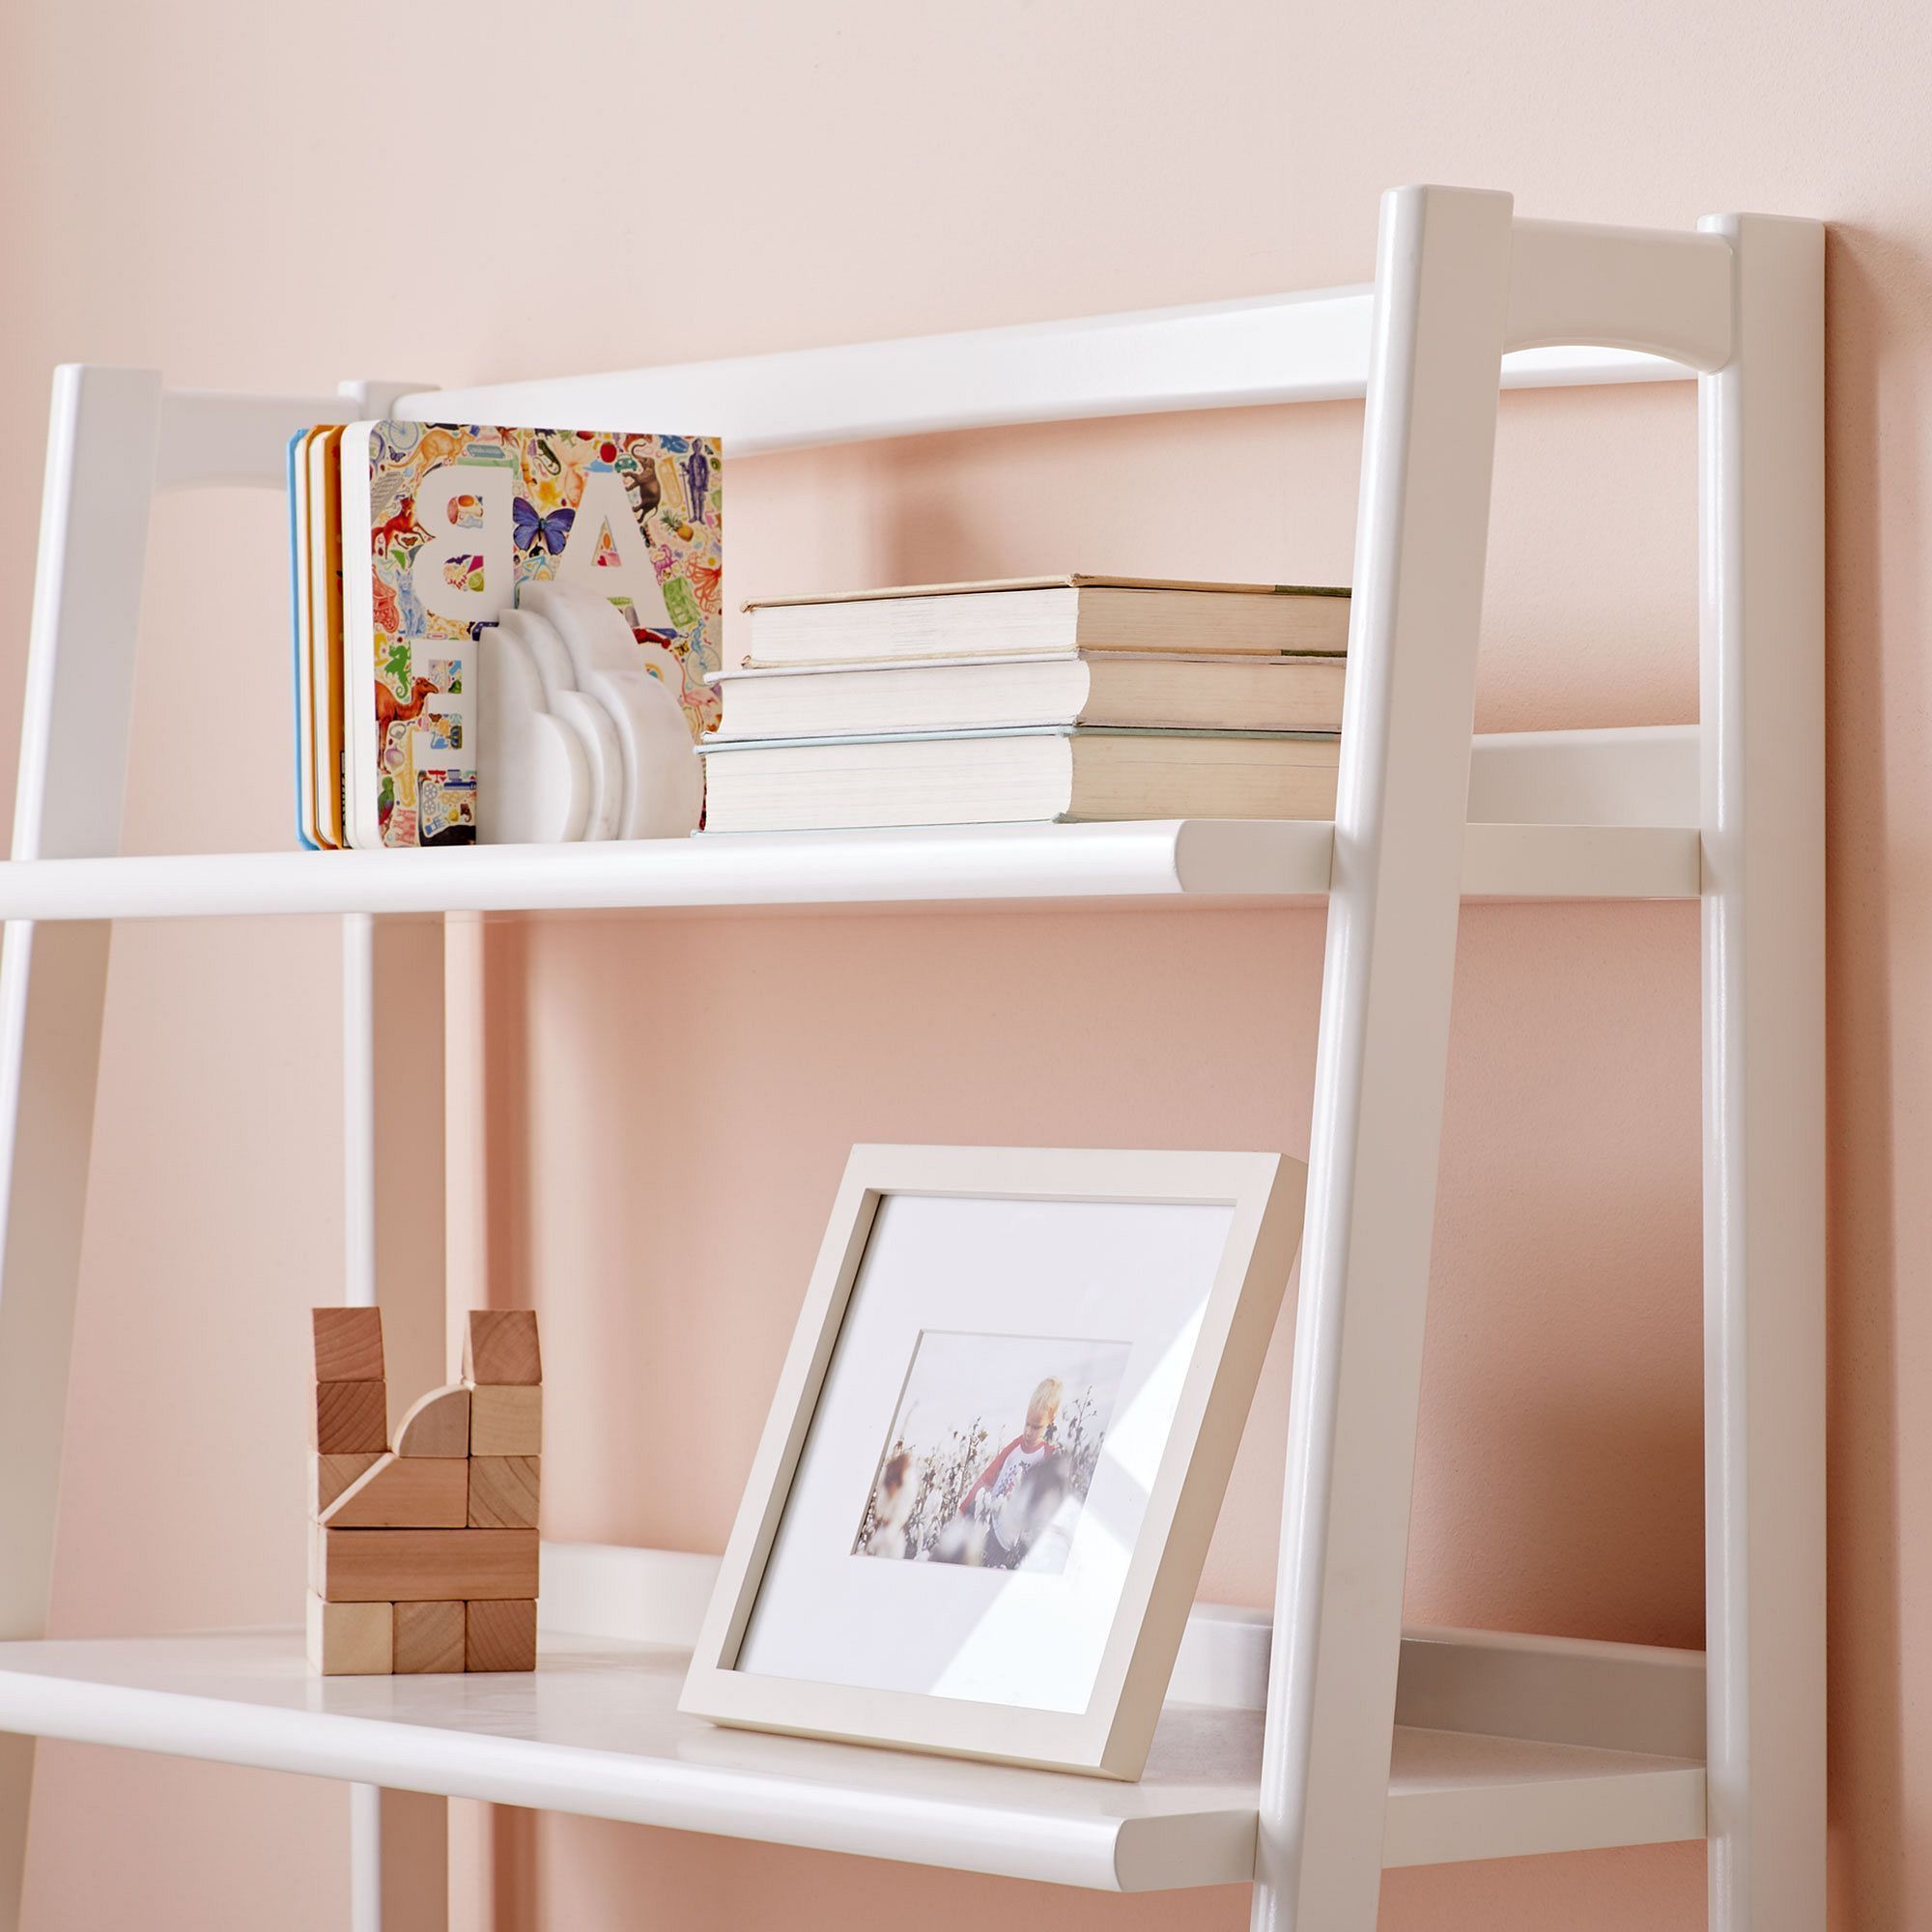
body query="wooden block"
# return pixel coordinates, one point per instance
(430, 1638)
(501, 1348)
(506, 1420)
(503, 1635)
(350, 1639)
(407, 1493)
(423, 1566)
(503, 1491)
(438, 1424)
(351, 1418)
(329, 1475)
(348, 1345)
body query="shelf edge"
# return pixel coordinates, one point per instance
(608, 1785)
(1258, 862)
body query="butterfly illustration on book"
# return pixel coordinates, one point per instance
(552, 531)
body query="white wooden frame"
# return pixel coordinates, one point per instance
(1110, 1738)
(1468, 298)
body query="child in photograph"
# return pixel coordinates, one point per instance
(999, 1497)
(891, 1508)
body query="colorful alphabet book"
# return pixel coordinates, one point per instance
(441, 527)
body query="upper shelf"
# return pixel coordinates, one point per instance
(1311, 346)
(1219, 861)
(595, 1730)
(1555, 815)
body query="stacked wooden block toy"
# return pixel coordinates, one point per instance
(425, 1556)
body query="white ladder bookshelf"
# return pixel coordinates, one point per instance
(1308, 1751)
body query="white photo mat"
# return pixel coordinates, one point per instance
(1128, 1299)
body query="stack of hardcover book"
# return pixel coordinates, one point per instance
(1062, 697)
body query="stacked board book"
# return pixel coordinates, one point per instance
(409, 540)
(1060, 698)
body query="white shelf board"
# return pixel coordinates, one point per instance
(1201, 860)
(595, 1730)
(1306, 347)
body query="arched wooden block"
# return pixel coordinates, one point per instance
(438, 1424)
(406, 1492)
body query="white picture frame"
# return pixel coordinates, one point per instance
(1120, 1615)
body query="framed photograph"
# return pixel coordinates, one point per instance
(980, 1508)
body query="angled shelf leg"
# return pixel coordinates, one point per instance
(114, 437)
(1761, 451)
(102, 441)
(51, 1016)
(1442, 288)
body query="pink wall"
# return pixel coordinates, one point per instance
(226, 192)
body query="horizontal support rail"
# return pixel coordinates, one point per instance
(1561, 1690)
(1302, 347)
(1643, 291)
(210, 437)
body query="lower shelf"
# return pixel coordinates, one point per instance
(595, 1730)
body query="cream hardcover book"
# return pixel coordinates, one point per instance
(975, 778)
(1049, 614)
(1127, 688)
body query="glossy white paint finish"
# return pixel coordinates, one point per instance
(1762, 461)
(1150, 858)
(100, 440)
(1611, 1696)
(212, 440)
(626, 1593)
(1311, 346)
(1641, 774)
(1650, 291)
(1201, 860)
(1448, 1790)
(1552, 1690)
(114, 436)
(1442, 282)
(595, 1730)
(393, 1256)
(1561, 814)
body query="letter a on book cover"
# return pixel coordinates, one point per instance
(442, 525)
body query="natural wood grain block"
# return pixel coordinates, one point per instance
(437, 1424)
(422, 1566)
(503, 1491)
(351, 1418)
(407, 1493)
(503, 1635)
(506, 1421)
(329, 1475)
(350, 1639)
(430, 1638)
(348, 1345)
(501, 1348)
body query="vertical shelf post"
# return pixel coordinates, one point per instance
(1762, 568)
(1442, 298)
(394, 1254)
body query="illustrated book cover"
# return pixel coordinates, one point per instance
(445, 523)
